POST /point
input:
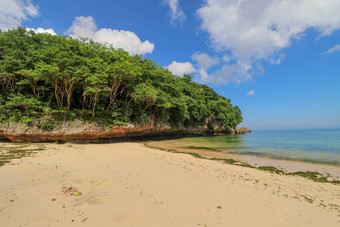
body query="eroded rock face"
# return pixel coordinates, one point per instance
(82, 132)
(241, 130)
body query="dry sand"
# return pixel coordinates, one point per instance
(127, 184)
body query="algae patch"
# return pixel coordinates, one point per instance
(314, 176)
(17, 151)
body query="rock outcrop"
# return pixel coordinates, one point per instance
(241, 130)
(83, 132)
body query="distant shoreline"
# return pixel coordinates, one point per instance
(255, 161)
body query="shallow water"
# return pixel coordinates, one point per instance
(314, 145)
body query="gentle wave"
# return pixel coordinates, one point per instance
(313, 145)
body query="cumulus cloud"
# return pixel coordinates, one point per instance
(181, 68)
(205, 61)
(251, 93)
(236, 73)
(256, 31)
(86, 27)
(42, 30)
(13, 12)
(176, 12)
(331, 50)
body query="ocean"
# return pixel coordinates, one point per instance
(313, 145)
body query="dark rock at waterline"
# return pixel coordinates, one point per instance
(241, 130)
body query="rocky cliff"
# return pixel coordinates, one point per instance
(83, 132)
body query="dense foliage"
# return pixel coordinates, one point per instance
(45, 79)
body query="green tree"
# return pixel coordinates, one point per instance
(48, 78)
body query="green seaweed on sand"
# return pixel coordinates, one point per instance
(280, 157)
(194, 155)
(307, 198)
(227, 161)
(314, 176)
(246, 165)
(18, 151)
(202, 148)
(271, 169)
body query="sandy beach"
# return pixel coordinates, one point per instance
(128, 184)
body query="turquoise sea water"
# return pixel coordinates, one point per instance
(313, 145)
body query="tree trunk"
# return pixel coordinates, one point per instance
(95, 101)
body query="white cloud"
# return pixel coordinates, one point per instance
(181, 68)
(236, 73)
(86, 27)
(251, 93)
(256, 31)
(331, 50)
(13, 12)
(205, 61)
(227, 58)
(42, 30)
(176, 12)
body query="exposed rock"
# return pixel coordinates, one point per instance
(83, 132)
(240, 130)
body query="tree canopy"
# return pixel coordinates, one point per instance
(47, 78)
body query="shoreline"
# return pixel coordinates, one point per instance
(128, 184)
(290, 166)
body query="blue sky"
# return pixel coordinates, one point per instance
(279, 60)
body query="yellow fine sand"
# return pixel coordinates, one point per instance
(127, 184)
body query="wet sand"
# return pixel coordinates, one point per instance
(288, 165)
(128, 184)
